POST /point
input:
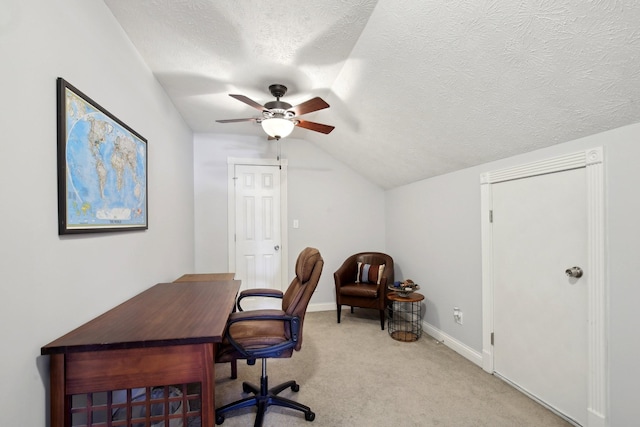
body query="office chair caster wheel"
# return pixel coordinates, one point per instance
(295, 387)
(309, 416)
(219, 419)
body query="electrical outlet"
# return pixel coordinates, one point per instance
(457, 315)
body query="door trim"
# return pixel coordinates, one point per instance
(597, 293)
(231, 208)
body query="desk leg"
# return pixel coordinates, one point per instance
(208, 386)
(58, 400)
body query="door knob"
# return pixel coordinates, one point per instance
(276, 247)
(574, 272)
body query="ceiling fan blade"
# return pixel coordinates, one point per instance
(309, 106)
(236, 120)
(248, 101)
(318, 127)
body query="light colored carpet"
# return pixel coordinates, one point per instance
(355, 374)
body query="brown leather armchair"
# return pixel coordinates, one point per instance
(267, 333)
(363, 286)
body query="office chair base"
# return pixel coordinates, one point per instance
(263, 397)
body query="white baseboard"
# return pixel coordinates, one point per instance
(455, 345)
(327, 306)
(595, 420)
(487, 361)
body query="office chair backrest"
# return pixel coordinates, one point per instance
(296, 299)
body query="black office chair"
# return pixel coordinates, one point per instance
(271, 333)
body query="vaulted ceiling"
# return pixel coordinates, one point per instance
(417, 88)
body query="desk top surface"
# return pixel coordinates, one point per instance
(165, 314)
(206, 277)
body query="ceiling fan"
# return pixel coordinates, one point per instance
(279, 117)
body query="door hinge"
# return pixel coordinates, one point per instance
(491, 338)
(491, 216)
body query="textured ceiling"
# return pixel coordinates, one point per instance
(417, 88)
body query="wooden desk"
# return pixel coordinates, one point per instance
(166, 335)
(211, 277)
(205, 277)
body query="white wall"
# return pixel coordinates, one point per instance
(433, 233)
(339, 212)
(435, 240)
(52, 284)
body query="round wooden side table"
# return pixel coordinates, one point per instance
(404, 316)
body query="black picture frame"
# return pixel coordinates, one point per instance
(102, 168)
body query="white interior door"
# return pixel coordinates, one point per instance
(540, 314)
(258, 227)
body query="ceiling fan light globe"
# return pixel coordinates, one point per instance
(277, 127)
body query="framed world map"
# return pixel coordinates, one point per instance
(102, 168)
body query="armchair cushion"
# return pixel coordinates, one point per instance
(369, 273)
(361, 290)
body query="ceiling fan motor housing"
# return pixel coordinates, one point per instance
(277, 90)
(278, 108)
(277, 105)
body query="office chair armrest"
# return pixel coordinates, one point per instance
(259, 292)
(262, 315)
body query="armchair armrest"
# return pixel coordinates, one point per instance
(383, 285)
(346, 273)
(263, 315)
(259, 292)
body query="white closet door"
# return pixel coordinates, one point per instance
(540, 314)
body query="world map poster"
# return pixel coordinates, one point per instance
(102, 168)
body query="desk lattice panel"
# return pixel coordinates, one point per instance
(162, 406)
